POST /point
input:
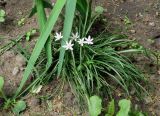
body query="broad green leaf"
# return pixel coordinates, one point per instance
(1, 83)
(111, 109)
(2, 13)
(95, 106)
(2, 19)
(99, 9)
(18, 107)
(69, 16)
(124, 107)
(41, 42)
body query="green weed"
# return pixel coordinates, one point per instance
(21, 22)
(2, 15)
(125, 109)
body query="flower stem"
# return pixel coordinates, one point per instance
(80, 57)
(3, 95)
(73, 58)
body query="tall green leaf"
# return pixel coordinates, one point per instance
(41, 42)
(42, 20)
(69, 16)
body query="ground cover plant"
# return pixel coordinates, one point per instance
(125, 108)
(2, 15)
(90, 63)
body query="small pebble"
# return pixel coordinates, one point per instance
(20, 13)
(133, 31)
(152, 24)
(157, 13)
(15, 71)
(140, 14)
(33, 102)
(148, 100)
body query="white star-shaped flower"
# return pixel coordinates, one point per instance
(75, 36)
(89, 40)
(58, 36)
(81, 41)
(68, 46)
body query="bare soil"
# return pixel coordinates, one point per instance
(144, 21)
(144, 24)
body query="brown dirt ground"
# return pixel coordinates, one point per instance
(144, 17)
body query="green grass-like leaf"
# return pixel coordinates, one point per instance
(102, 67)
(42, 20)
(69, 16)
(41, 42)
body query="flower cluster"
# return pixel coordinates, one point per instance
(75, 37)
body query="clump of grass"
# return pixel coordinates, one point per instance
(90, 68)
(101, 66)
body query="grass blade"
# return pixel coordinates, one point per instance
(69, 16)
(41, 42)
(42, 20)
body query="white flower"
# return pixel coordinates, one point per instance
(81, 41)
(53, 4)
(37, 89)
(68, 46)
(75, 36)
(58, 36)
(89, 40)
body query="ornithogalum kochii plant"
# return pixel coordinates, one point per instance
(88, 62)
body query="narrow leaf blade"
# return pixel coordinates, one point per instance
(41, 42)
(69, 16)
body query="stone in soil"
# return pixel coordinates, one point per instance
(148, 100)
(33, 101)
(133, 31)
(10, 69)
(15, 71)
(20, 61)
(152, 24)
